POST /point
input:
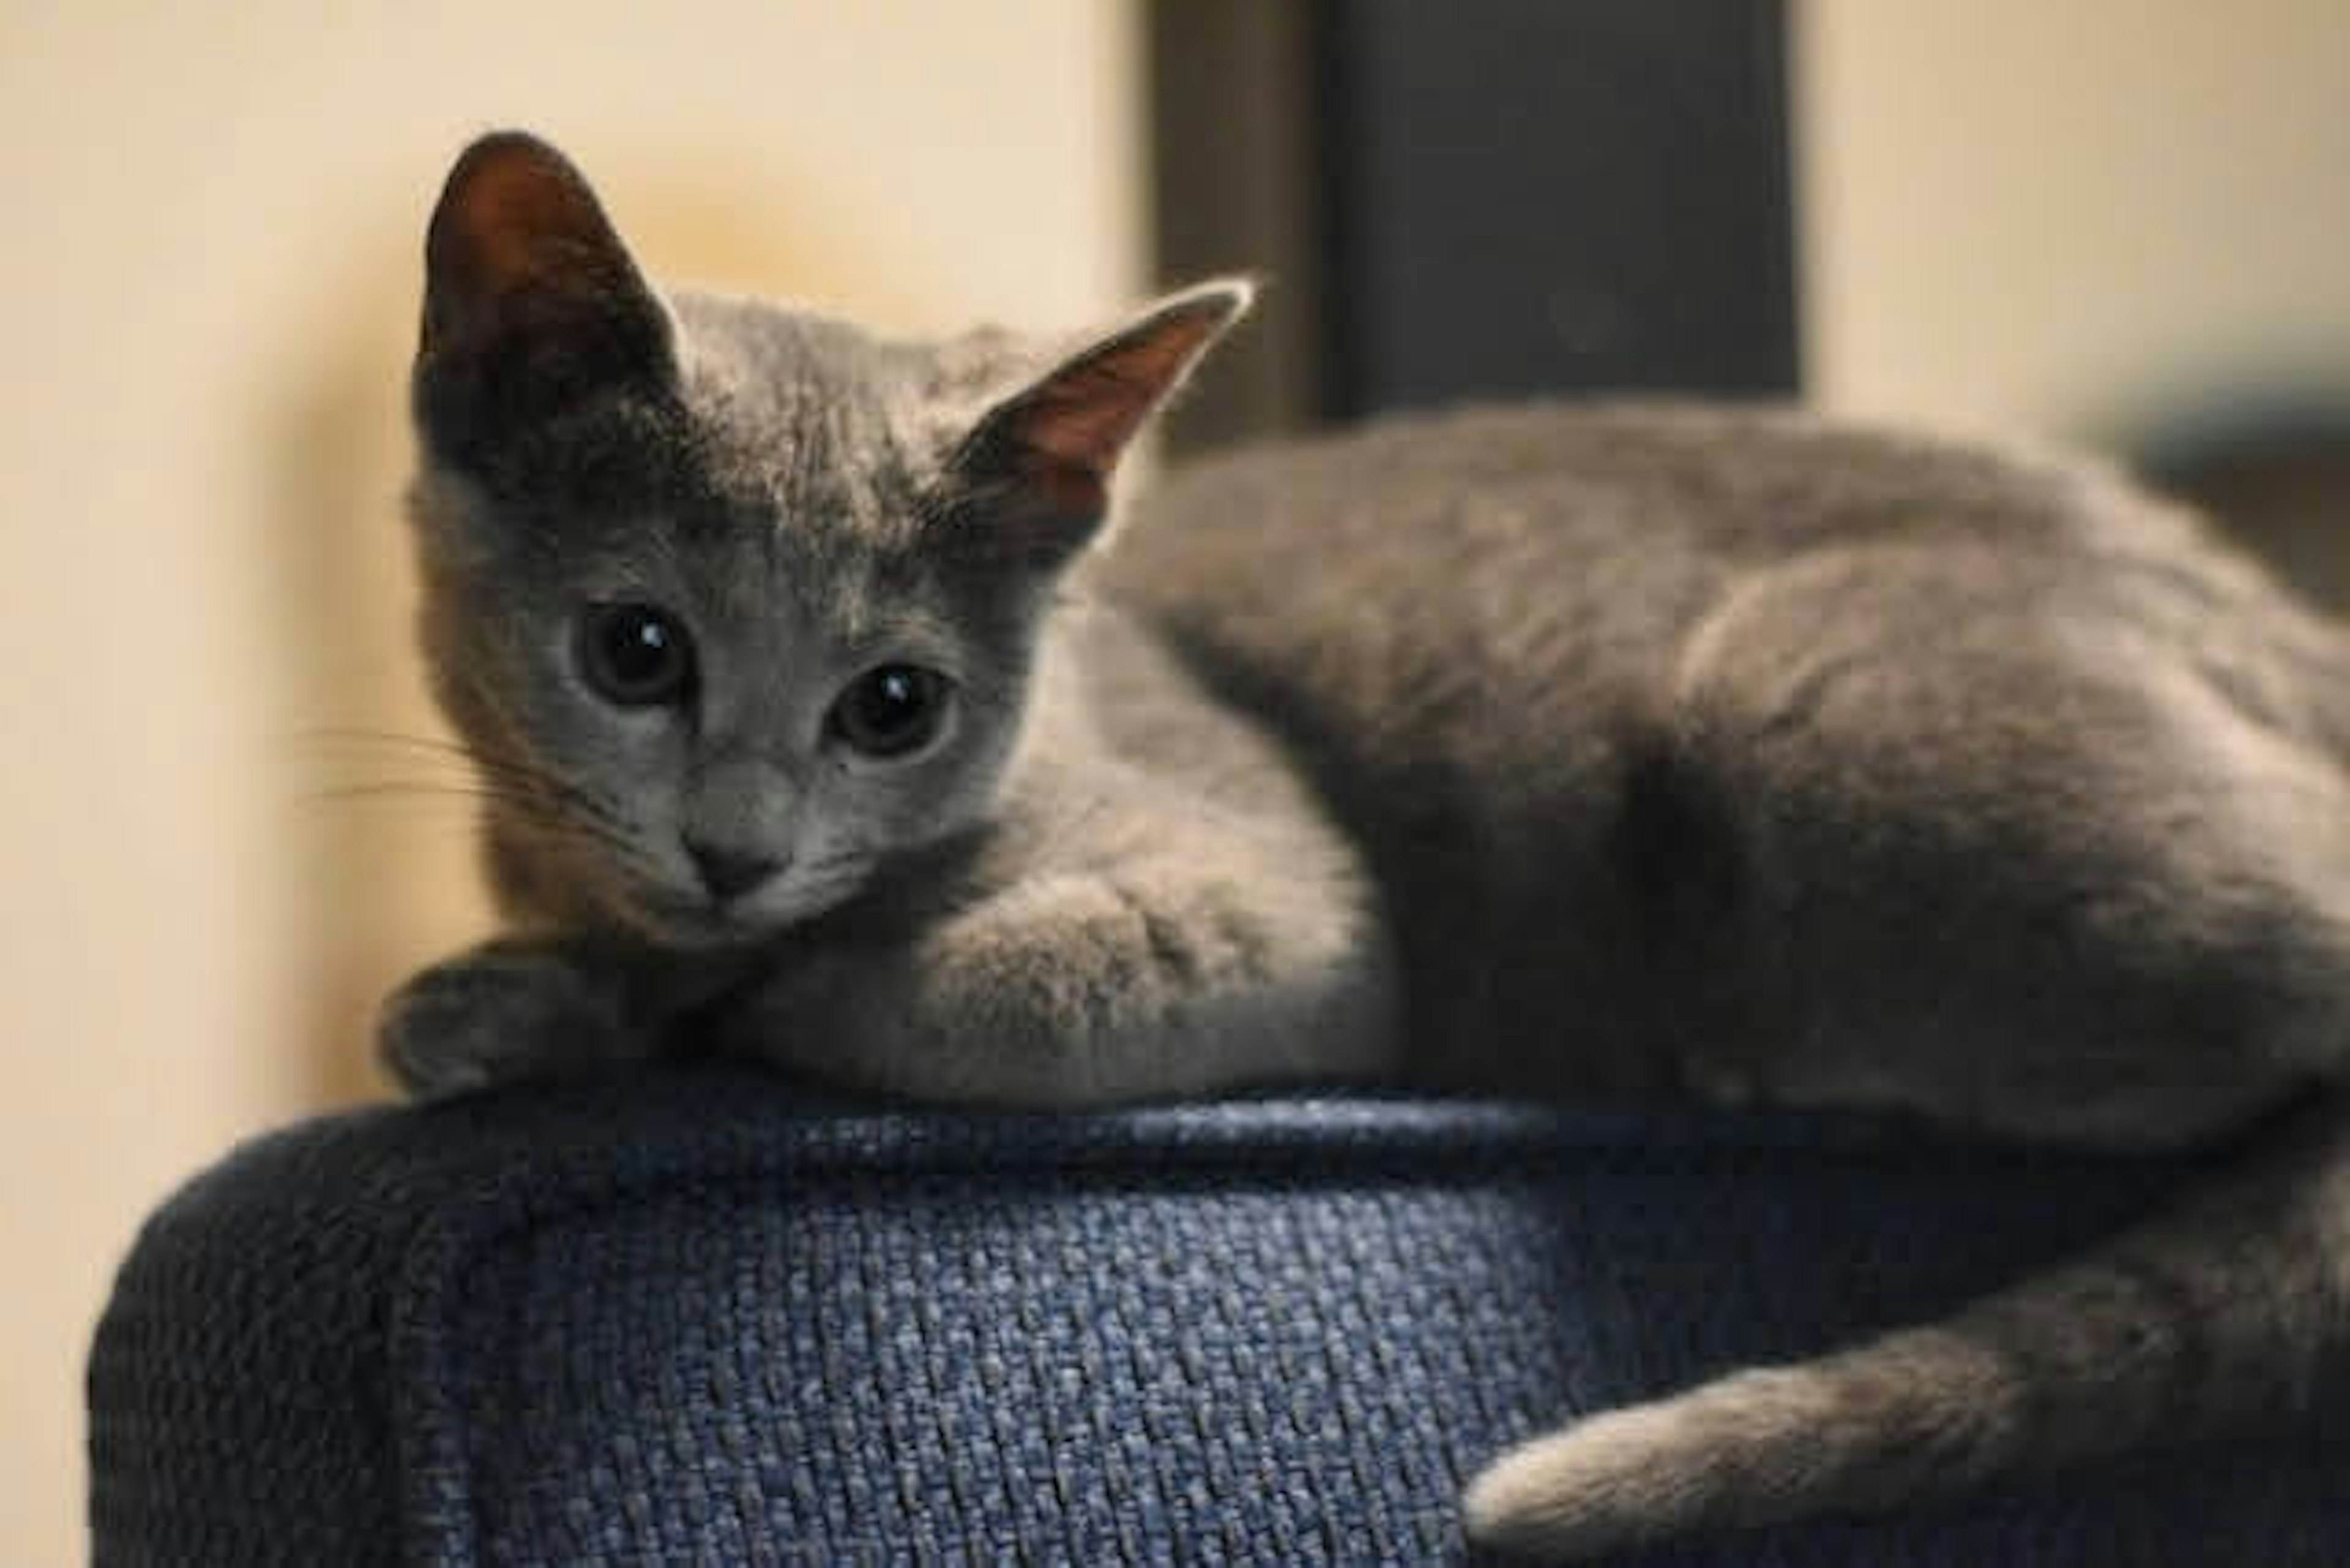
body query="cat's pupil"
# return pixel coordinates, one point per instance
(636, 655)
(890, 712)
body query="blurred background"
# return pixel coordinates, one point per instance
(2125, 223)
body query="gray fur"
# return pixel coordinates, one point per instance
(1623, 750)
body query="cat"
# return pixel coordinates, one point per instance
(1634, 749)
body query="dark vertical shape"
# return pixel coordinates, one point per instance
(1537, 196)
(1477, 198)
(1235, 164)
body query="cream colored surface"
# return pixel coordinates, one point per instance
(2075, 217)
(2016, 213)
(213, 214)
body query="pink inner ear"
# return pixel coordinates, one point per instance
(515, 218)
(1083, 415)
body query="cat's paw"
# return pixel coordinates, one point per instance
(498, 1014)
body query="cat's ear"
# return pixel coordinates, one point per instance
(531, 302)
(1050, 446)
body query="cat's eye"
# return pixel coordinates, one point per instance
(635, 655)
(891, 711)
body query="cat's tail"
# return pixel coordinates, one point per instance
(2232, 1306)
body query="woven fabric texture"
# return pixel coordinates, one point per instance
(704, 1318)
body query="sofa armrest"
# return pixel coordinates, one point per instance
(703, 1316)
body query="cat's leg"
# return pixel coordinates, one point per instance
(2220, 1315)
(2043, 879)
(1207, 958)
(507, 1010)
(2030, 867)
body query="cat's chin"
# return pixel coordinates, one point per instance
(702, 928)
(696, 925)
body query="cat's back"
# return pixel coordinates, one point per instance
(1622, 516)
(1468, 629)
(1411, 574)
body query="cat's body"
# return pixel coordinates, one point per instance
(1739, 753)
(1635, 750)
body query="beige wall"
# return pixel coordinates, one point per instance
(209, 280)
(2074, 216)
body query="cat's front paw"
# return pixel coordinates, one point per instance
(499, 1014)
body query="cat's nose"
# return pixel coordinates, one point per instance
(730, 873)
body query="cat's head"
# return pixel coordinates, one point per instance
(734, 602)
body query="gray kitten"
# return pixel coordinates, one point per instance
(1623, 750)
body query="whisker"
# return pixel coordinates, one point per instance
(498, 771)
(428, 787)
(431, 745)
(531, 817)
(535, 810)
